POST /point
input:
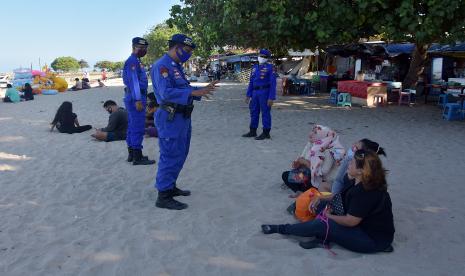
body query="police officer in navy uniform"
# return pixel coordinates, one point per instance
(173, 118)
(260, 95)
(135, 100)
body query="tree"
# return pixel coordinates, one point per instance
(83, 64)
(298, 24)
(65, 64)
(158, 38)
(104, 64)
(116, 66)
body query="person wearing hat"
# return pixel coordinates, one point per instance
(173, 117)
(260, 95)
(135, 99)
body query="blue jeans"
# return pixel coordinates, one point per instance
(352, 238)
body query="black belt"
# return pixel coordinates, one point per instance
(261, 87)
(173, 108)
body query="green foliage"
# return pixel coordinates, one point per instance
(298, 24)
(104, 64)
(65, 64)
(157, 38)
(83, 64)
(116, 66)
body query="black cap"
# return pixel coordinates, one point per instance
(140, 41)
(183, 39)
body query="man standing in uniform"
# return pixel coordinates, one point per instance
(173, 118)
(260, 95)
(135, 99)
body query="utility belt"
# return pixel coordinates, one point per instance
(261, 87)
(173, 108)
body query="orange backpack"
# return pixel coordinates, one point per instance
(302, 203)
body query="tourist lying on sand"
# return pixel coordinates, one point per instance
(360, 221)
(66, 121)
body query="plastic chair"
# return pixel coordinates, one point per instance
(452, 111)
(333, 96)
(378, 100)
(442, 100)
(344, 99)
(405, 97)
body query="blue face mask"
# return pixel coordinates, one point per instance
(350, 153)
(184, 56)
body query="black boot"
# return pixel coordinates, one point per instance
(251, 133)
(265, 135)
(138, 158)
(179, 192)
(165, 200)
(130, 159)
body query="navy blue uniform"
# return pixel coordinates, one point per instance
(262, 87)
(171, 86)
(135, 80)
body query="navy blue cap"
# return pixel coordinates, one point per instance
(140, 41)
(183, 39)
(265, 52)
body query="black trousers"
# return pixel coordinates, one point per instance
(295, 187)
(78, 129)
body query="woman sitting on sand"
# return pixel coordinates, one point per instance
(366, 223)
(364, 144)
(317, 161)
(66, 121)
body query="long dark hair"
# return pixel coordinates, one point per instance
(65, 108)
(367, 144)
(373, 173)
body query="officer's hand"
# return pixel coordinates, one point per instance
(204, 91)
(247, 100)
(270, 103)
(139, 106)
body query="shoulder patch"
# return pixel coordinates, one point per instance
(164, 71)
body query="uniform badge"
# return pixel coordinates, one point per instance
(164, 72)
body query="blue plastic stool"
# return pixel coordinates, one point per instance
(452, 112)
(344, 99)
(442, 101)
(333, 96)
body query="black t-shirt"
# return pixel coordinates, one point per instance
(66, 122)
(375, 209)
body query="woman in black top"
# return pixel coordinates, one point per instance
(366, 224)
(66, 121)
(28, 95)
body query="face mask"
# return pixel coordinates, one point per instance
(141, 52)
(262, 60)
(183, 56)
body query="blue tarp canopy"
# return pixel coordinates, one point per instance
(393, 50)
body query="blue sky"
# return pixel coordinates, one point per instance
(90, 30)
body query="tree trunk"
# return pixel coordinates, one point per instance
(417, 65)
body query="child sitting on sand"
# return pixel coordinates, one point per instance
(66, 121)
(316, 162)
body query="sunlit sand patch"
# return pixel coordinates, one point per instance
(106, 257)
(11, 138)
(231, 263)
(432, 209)
(5, 167)
(9, 156)
(296, 102)
(5, 118)
(8, 205)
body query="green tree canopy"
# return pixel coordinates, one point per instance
(157, 37)
(65, 64)
(104, 64)
(83, 64)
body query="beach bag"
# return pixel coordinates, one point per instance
(300, 175)
(302, 203)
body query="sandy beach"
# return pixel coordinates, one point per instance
(72, 206)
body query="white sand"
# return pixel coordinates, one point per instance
(72, 206)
